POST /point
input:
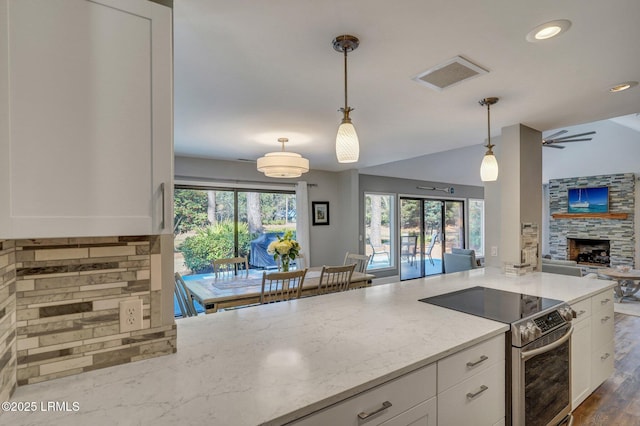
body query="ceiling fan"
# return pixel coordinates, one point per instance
(553, 140)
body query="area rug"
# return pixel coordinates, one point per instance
(627, 307)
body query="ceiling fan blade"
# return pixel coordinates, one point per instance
(552, 146)
(570, 140)
(561, 132)
(573, 136)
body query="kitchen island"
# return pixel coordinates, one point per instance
(276, 363)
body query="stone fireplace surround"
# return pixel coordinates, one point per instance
(619, 232)
(589, 252)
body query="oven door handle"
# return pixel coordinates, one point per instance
(530, 354)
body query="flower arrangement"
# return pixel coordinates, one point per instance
(286, 248)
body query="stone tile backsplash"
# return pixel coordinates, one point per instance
(620, 232)
(67, 298)
(7, 319)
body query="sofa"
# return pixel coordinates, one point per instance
(459, 260)
(564, 267)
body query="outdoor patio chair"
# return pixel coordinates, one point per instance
(230, 266)
(281, 286)
(335, 278)
(361, 261)
(185, 302)
(379, 250)
(409, 245)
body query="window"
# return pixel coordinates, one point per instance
(378, 220)
(212, 223)
(476, 226)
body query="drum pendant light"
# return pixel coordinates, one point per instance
(283, 164)
(347, 145)
(489, 166)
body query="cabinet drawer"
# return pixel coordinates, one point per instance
(403, 393)
(582, 309)
(423, 414)
(602, 324)
(464, 364)
(602, 364)
(458, 405)
(601, 301)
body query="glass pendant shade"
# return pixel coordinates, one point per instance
(489, 168)
(347, 145)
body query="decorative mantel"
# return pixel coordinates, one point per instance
(616, 227)
(590, 215)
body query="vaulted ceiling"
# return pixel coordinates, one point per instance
(249, 72)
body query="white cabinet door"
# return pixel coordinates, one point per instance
(86, 118)
(423, 414)
(580, 361)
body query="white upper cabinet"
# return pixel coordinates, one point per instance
(86, 118)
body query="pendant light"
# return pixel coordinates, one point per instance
(489, 166)
(283, 164)
(347, 145)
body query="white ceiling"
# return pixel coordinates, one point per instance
(249, 72)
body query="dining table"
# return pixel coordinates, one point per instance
(628, 282)
(245, 289)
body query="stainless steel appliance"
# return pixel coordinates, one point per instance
(538, 352)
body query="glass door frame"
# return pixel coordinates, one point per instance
(442, 231)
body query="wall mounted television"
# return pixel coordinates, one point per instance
(588, 200)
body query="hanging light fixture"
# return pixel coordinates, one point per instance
(347, 146)
(283, 164)
(489, 166)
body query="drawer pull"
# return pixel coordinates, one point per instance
(582, 312)
(473, 395)
(605, 301)
(605, 356)
(605, 319)
(365, 416)
(482, 359)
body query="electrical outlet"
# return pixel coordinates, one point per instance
(494, 251)
(130, 315)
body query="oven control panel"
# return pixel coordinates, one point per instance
(528, 330)
(549, 321)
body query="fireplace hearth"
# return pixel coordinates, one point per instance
(589, 251)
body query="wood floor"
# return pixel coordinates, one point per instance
(617, 400)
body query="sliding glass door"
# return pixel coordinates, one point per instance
(428, 228)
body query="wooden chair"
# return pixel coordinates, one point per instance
(335, 278)
(361, 261)
(280, 286)
(185, 302)
(230, 266)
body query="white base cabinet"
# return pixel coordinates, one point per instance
(469, 389)
(592, 345)
(86, 118)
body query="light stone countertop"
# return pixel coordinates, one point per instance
(274, 363)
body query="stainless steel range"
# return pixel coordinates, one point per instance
(538, 350)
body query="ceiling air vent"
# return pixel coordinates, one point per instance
(449, 73)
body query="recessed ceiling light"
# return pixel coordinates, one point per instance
(548, 30)
(623, 86)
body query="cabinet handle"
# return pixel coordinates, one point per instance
(482, 359)
(605, 319)
(365, 416)
(473, 395)
(605, 301)
(162, 222)
(605, 356)
(582, 312)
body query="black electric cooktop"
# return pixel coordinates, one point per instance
(497, 305)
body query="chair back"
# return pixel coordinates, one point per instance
(185, 302)
(280, 286)
(335, 278)
(361, 261)
(230, 266)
